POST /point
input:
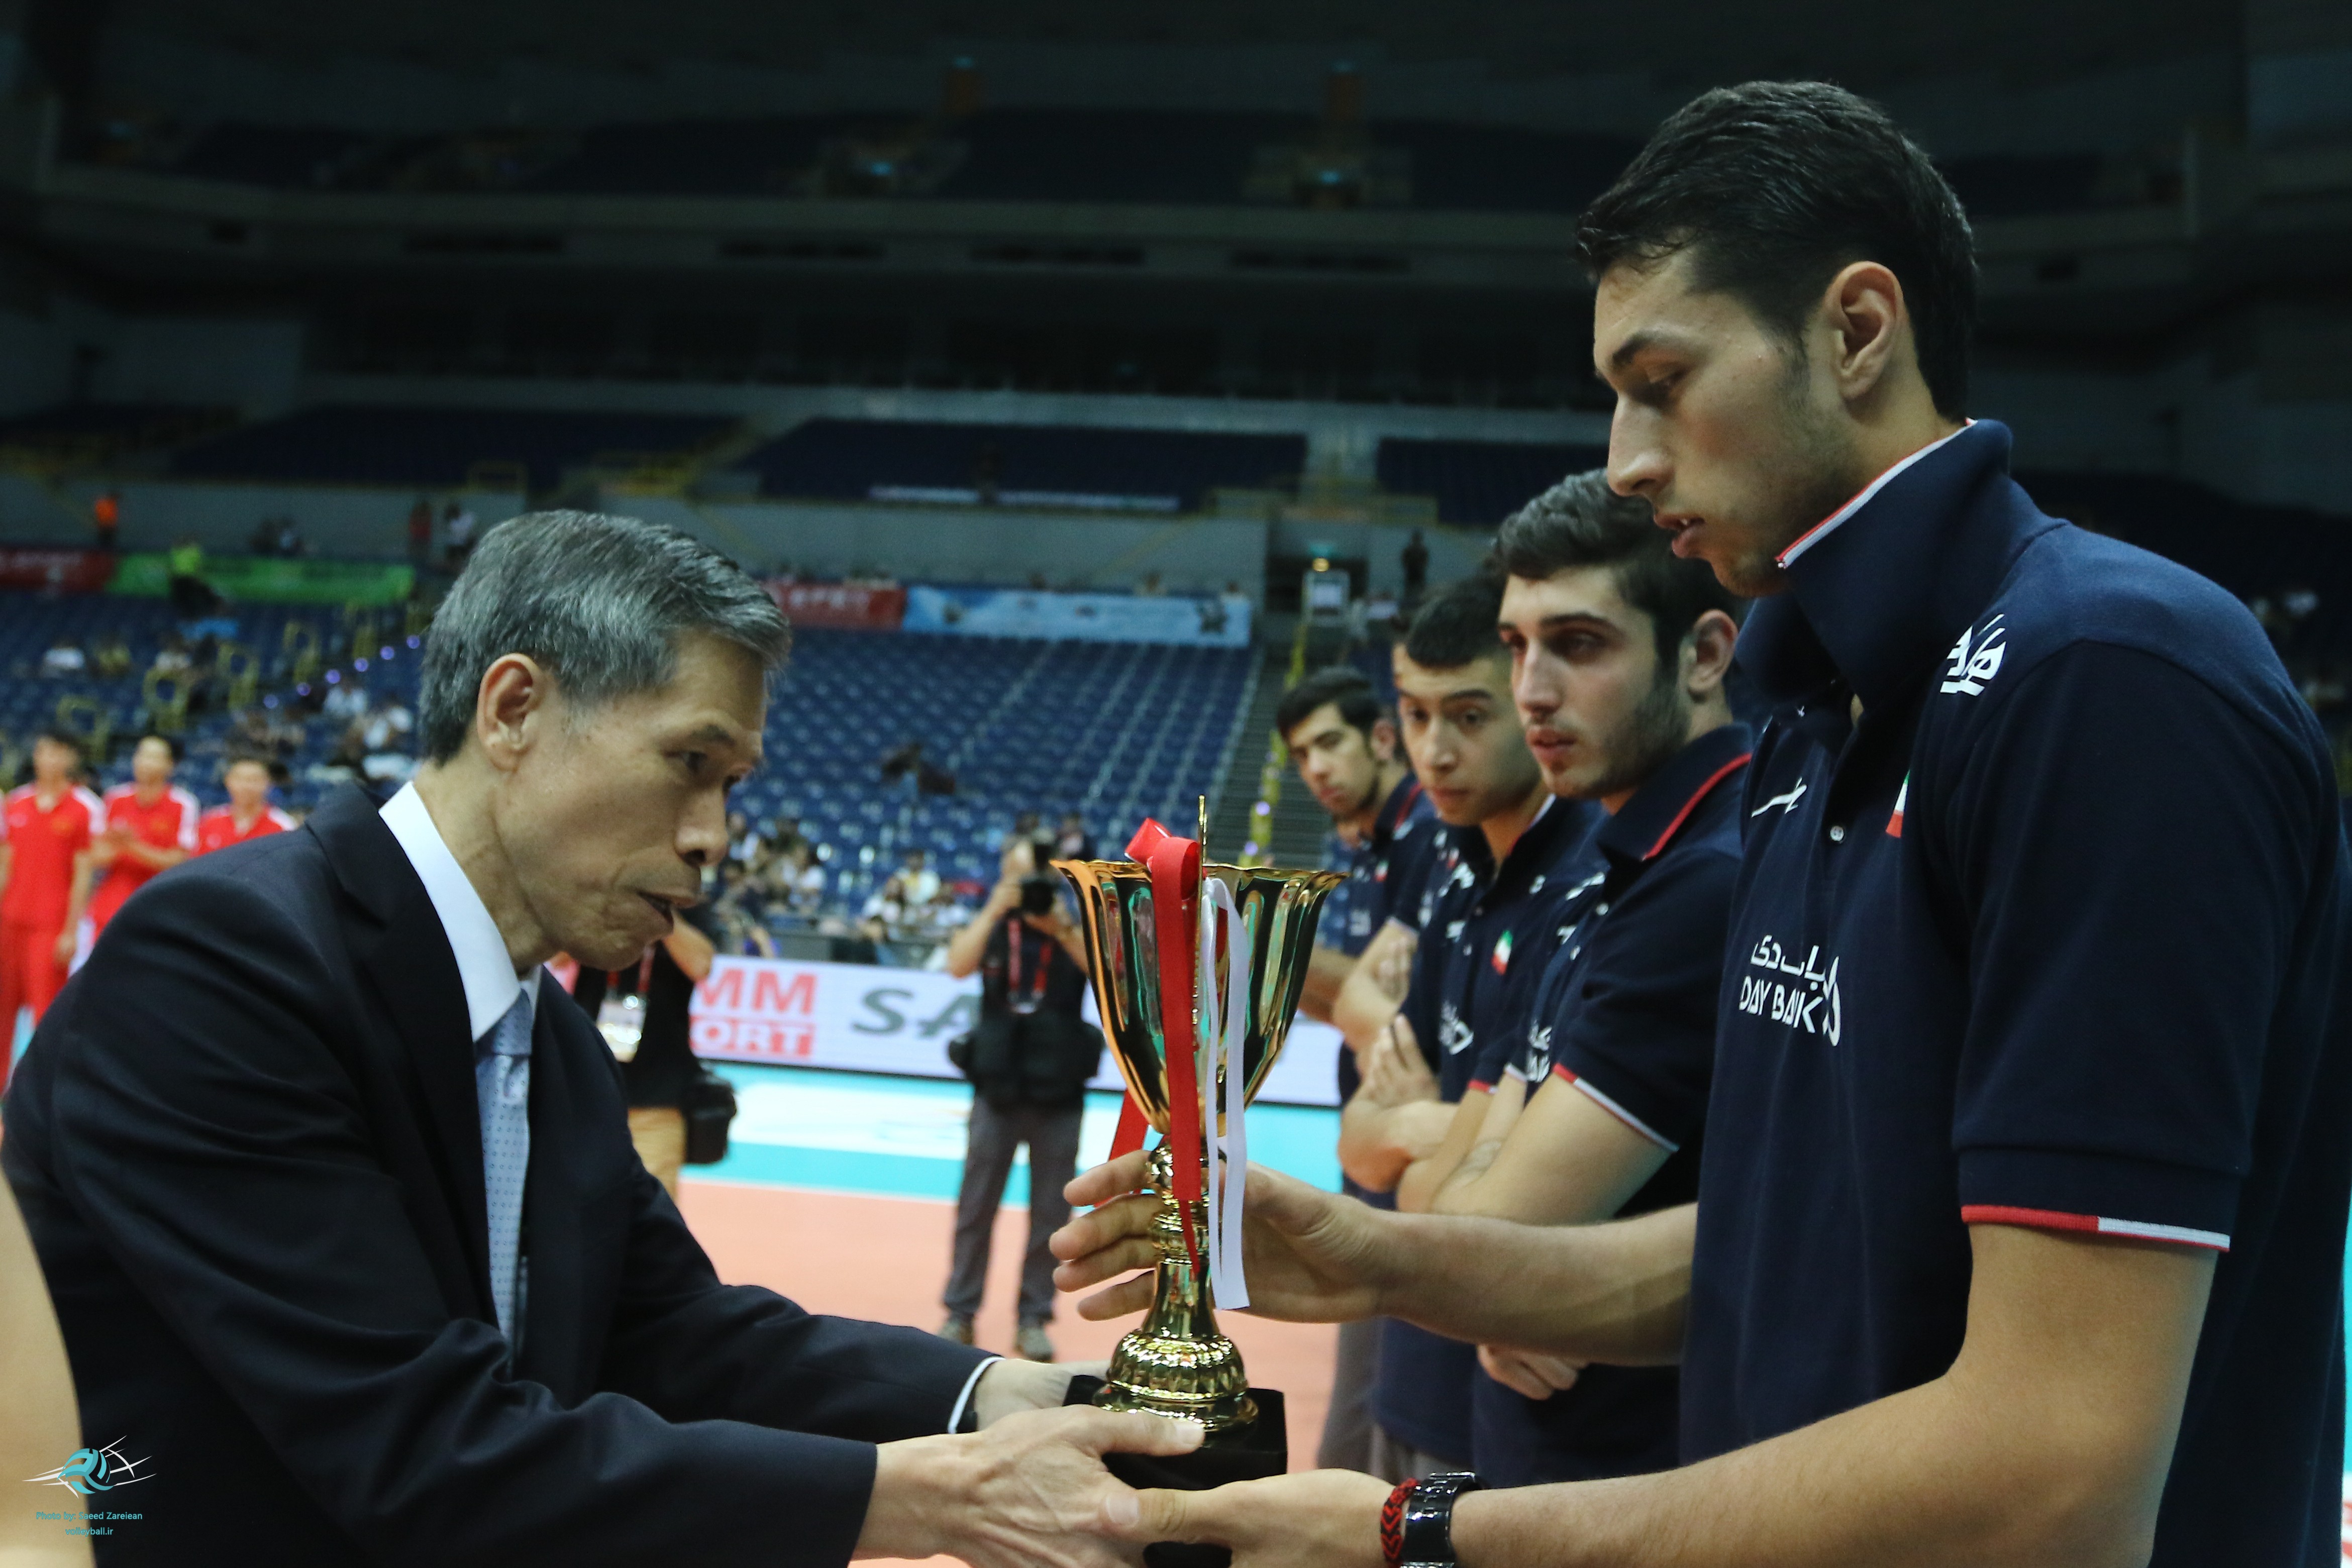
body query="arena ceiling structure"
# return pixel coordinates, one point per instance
(1864, 43)
(1298, 198)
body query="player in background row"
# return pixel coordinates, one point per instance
(248, 814)
(1346, 746)
(1619, 655)
(45, 875)
(1508, 846)
(151, 827)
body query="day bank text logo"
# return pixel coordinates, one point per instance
(1800, 995)
(92, 1471)
(1976, 658)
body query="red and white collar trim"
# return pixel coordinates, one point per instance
(1829, 525)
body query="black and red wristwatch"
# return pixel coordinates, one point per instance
(1417, 1521)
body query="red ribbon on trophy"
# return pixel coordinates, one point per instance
(1175, 867)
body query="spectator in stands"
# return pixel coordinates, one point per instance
(803, 881)
(387, 738)
(784, 832)
(264, 541)
(347, 700)
(192, 597)
(248, 814)
(457, 523)
(111, 658)
(1071, 841)
(1029, 1059)
(739, 909)
(420, 531)
(64, 658)
(908, 901)
(106, 519)
(743, 844)
(343, 760)
(1415, 561)
(172, 656)
(1150, 587)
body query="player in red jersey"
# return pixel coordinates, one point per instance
(151, 826)
(248, 815)
(44, 879)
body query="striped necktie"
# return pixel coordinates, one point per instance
(502, 1093)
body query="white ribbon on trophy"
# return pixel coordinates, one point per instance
(1223, 1046)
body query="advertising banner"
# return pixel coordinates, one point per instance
(63, 570)
(270, 580)
(858, 607)
(863, 1018)
(1087, 617)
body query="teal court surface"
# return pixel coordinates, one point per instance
(903, 1137)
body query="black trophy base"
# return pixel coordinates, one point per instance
(1252, 1453)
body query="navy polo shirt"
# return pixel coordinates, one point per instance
(1625, 1012)
(2049, 938)
(1489, 930)
(1386, 875)
(1385, 870)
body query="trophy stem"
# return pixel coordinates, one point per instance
(1178, 1363)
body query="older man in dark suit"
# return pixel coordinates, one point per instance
(334, 1189)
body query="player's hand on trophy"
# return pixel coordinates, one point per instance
(1528, 1372)
(1029, 1491)
(1311, 1256)
(1319, 1518)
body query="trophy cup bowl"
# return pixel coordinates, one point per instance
(1178, 1363)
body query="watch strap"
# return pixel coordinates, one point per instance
(1425, 1538)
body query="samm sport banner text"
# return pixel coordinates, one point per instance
(861, 1018)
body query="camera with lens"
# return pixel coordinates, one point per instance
(1038, 892)
(1041, 885)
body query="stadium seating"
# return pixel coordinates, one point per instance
(30, 624)
(436, 447)
(1116, 732)
(1162, 157)
(1152, 470)
(85, 435)
(1477, 483)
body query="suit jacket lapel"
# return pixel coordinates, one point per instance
(407, 958)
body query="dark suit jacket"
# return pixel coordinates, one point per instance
(247, 1145)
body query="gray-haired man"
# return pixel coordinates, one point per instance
(335, 1188)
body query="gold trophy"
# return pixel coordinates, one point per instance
(1177, 1364)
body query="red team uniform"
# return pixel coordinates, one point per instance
(218, 829)
(170, 824)
(42, 846)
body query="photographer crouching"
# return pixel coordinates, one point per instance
(1029, 1059)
